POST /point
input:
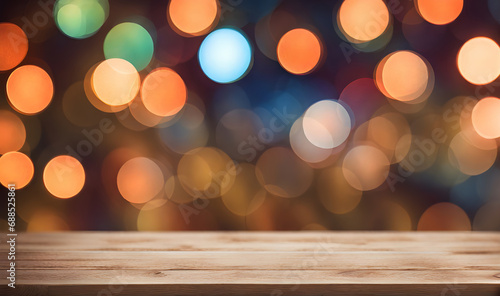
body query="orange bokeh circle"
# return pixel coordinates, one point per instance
(193, 17)
(14, 46)
(16, 168)
(12, 132)
(64, 176)
(299, 51)
(439, 12)
(163, 92)
(29, 89)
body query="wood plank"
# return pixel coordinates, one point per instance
(263, 241)
(255, 260)
(291, 277)
(186, 282)
(256, 263)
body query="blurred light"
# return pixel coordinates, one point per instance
(64, 176)
(193, 17)
(314, 227)
(443, 174)
(382, 131)
(468, 130)
(272, 215)
(470, 159)
(327, 124)
(246, 195)
(439, 12)
(77, 109)
(486, 117)
(487, 218)
(139, 180)
(175, 192)
(269, 113)
(131, 42)
(479, 60)
(15, 168)
(422, 35)
(335, 150)
(384, 213)
(91, 95)
(476, 190)
(188, 132)
(110, 166)
(282, 173)
(14, 46)
(444, 216)
(115, 82)
(422, 154)
(139, 121)
(403, 76)
(151, 205)
(335, 193)
(299, 51)
(467, 194)
(225, 55)
(365, 167)
(390, 133)
(412, 107)
(164, 217)
(395, 146)
(80, 18)
(29, 89)
(45, 220)
(306, 150)
(270, 28)
(206, 172)
(363, 98)
(173, 49)
(170, 216)
(142, 116)
(374, 45)
(12, 132)
(363, 20)
(398, 217)
(163, 92)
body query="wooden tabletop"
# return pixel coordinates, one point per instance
(255, 263)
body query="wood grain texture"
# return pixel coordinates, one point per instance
(256, 263)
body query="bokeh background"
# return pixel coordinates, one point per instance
(250, 115)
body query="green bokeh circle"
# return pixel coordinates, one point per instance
(131, 42)
(80, 18)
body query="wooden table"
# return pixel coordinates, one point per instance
(256, 263)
